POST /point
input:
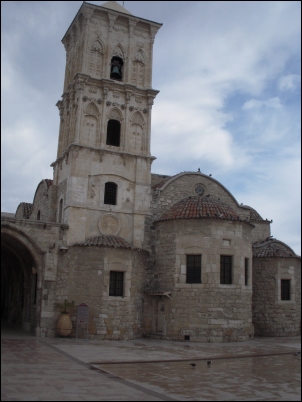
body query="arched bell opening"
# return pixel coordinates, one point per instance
(116, 70)
(19, 285)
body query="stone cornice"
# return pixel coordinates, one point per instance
(86, 9)
(75, 146)
(7, 222)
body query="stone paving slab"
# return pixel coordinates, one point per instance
(31, 371)
(262, 378)
(147, 350)
(149, 370)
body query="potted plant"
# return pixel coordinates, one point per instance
(64, 324)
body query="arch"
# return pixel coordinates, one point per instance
(90, 123)
(96, 58)
(47, 183)
(115, 114)
(22, 264)
(173, 178)
(136, 135)
(23, 210)
(35, 251)
(137, 118)
(138, 68)
(92, 109)
(40, 201)
(97, 46)
(118, 51)
(140, 56)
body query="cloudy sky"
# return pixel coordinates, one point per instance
(229, 101)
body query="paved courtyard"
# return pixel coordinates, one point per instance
(56, 369)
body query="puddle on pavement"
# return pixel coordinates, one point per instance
(252, 378)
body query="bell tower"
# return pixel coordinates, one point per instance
(103, 165)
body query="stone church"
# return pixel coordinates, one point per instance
(168, 257)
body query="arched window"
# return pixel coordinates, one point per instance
(113, 133)
(38, 215)
(110, 193)
(61, 211)
(116, 68)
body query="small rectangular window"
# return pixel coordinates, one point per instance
(193, 269)
(246, 271)
(226, 269)
(116, 287)
(110, 193)
(285, 289)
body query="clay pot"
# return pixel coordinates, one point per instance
(64, 325)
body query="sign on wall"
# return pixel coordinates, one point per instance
(83, 318)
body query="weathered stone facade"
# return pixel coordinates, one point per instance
(208, 311)
(271, 315)
(171, 257)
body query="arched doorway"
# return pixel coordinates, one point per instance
(20, 279)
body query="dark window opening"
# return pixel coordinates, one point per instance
(193, 269)
(61, 211)
(113, 133)
(226, 269)
(285, 289)
(116, 68)
(187, 337)
(110, 193)
(38, 215)
(246, 271)
(116, 287)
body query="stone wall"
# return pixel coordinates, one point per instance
(271, 315)
(210, 311)
(44, 203)
(261, 231)
(83, 277)
(23, 210)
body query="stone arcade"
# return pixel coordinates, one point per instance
(172, 257)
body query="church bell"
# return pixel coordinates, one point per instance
(115, 73)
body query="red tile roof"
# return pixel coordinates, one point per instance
(254, 216)
(197, 207)
(272, 248)
(105, 240)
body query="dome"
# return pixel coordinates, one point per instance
(197, 207)
(272, 248)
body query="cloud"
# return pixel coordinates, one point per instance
(274, 103)
(289, 82)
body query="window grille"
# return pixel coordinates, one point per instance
(113, 133)
(246, 271)
(116, 287)
(193, 269)
(285, 289)
(226, 269)
(110, 193)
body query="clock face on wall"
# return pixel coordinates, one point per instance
(199, 189)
